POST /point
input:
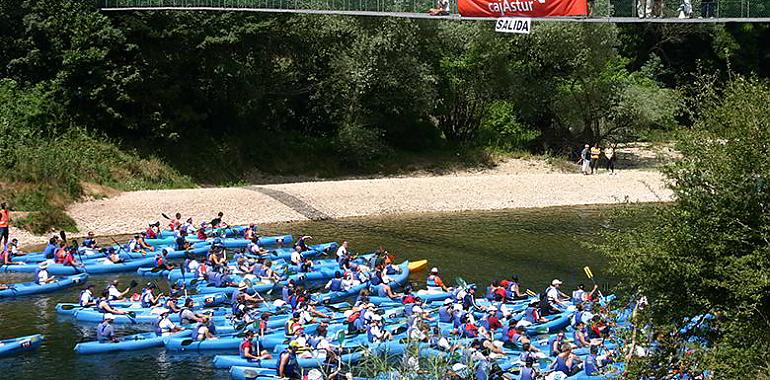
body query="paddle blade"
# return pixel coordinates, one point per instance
(165, 216)
(461, 282)
(133, 284)
(63, 235)
(341, 337)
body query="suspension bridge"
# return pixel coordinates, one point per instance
(603, 11)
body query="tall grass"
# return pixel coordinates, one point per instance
(45, 161)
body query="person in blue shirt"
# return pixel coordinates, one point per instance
(529, 372)
(51, 248)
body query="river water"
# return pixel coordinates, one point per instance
(538, 245)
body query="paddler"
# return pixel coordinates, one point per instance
(87, 296)
(302, 243)
(104, 305)
(104, 331)
(115, 294)
(148, 299)
(434, 282)
(42, 276)
(247, 349)
(164, 326)
(288, 365)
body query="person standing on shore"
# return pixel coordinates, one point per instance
(596, 153)
(5, 222)
(609, 153)
(585, 159)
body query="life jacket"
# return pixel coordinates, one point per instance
(577, 296)
(156, 326)
(575, 339)
(381, 292)
(431, 281)
(159, 262)
(445, 314)
(526, 373)
(257, 270)
(407, 299)
(37, 275)
(470, 330)
(577, 317)
(553, 345)
(292, 369)
(561, 366)
(246, 343)
(409, 309)
(150, 233)
(80, 298)
(286, 293)
(591, 365)
(183, 320)
(500, 294)
(336, 285)
(375, 279)
(101, 333)
(145, 300)
(530, 315)
(4, 218)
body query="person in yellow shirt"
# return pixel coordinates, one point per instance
(596, 152)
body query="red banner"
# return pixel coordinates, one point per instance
(522, 8)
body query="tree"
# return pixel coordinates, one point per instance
(709, 252)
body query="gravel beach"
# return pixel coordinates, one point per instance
(515, 184)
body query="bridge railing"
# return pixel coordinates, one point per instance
(600, 8)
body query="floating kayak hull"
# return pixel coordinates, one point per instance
(129, 343)
(19, 345)
(29, 288)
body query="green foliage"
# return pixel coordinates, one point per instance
(501, 129)
(710, 251)
(47, 219)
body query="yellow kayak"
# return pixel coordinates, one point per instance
(418, 266)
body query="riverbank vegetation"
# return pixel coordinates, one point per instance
(169, 99)
(708, 253)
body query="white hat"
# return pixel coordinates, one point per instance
(416, 309)
(43, 265)
(448, 301)
(109, 316)
(242, 285)
(376, 317)
(556, 282)
(434, 270)
(458, 307)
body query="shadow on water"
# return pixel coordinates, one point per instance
(537, 244)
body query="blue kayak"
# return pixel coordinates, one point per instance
(127, 343)
(28, 288)
(98, 266)
(227, 361)
(227, 242)
(15, 346)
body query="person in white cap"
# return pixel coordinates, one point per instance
(104, 331)
(375, 332)
(42, 276)
(554, 295)
(163, 325)
(434, 282)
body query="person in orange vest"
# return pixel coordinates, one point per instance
(5, 220)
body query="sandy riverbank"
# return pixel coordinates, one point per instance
(512, 184)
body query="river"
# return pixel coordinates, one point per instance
(536, 244)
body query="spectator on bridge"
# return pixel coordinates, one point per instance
(707, 8)
(442, 8)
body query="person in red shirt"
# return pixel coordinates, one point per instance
(249, 350)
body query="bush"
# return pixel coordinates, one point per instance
(360, 146)
(501, 129)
